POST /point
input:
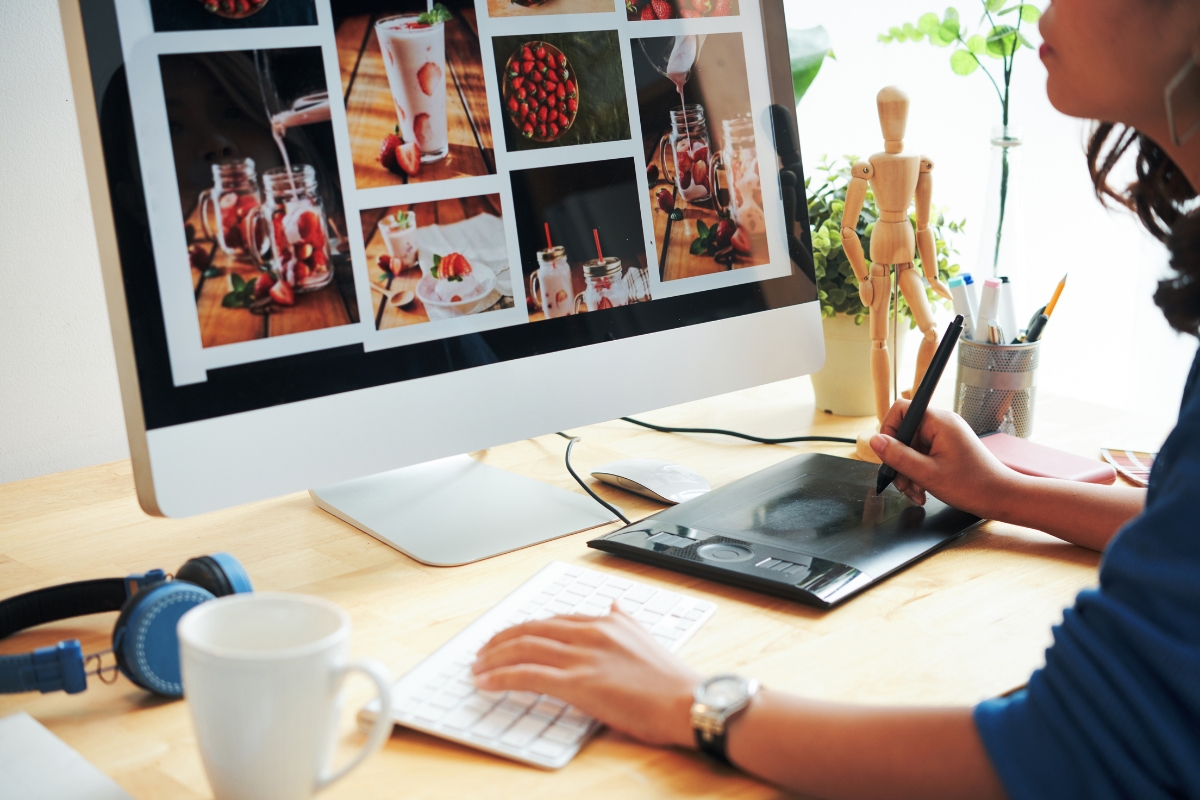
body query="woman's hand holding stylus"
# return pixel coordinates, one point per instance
(946, 459)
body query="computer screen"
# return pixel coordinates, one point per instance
(341, 236)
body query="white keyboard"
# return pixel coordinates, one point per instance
(439, 697)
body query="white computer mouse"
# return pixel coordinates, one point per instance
(659, 480)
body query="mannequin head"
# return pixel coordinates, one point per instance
(893, 117)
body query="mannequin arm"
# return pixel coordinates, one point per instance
(925, 243)
(856, 196)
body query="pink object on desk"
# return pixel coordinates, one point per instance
(1045, 462)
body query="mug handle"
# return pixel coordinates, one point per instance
(382, 728)
(667, 158)
(535, 290)
(207, 199)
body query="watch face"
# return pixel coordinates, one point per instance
(724, 692)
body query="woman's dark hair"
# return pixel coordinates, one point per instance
(1160, 196)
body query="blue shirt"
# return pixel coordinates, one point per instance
(1116, 710)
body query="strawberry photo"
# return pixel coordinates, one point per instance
(525, 8)
(700, 143)
(201, 15)
(560, 89)
(412, 79)
(436, 260)
(260, 193)
(579, 227)
(650, 10)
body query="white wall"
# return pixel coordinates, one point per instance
(59, 402)
(59, 405)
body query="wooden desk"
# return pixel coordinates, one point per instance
(970, 622)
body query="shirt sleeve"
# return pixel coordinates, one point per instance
(1115, 712)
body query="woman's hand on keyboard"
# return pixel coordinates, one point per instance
(608, 667)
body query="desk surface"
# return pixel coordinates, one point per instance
(969, 622)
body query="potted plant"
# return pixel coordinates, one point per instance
(843, 386)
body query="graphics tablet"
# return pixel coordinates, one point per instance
(810, 528)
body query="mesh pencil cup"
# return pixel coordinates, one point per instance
(997, 384)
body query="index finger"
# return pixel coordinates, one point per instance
(895, 414)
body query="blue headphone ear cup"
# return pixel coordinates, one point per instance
(145, 643)
(219, 573)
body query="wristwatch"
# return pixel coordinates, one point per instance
(715, 702)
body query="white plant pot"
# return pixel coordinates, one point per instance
(843, 386)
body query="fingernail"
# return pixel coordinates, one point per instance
(878, 444)
(483, 681)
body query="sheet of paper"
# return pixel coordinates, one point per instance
(37, 765)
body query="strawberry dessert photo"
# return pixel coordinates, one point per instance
(412, 79)
(436, 260)
(560, 89)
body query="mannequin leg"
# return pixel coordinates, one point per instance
(881, 367)
(913, 289)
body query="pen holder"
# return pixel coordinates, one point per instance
(996, 387)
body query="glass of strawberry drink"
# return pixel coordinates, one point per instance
(300, 245)
(399, 232)
(551, 284)
(414, 55)
(690, 155)
(228, 209)
(606, 286)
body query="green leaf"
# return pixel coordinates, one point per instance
(994, 5)
(1030, 13)
(939, 38)
(963, 62)
(701, 228)
(807, 50)
(950, 30)
(697, 247)
(439, 14)
(1002, 41)
(928, 23)
(883, 37)
(238, 283)
(212, 272)
(897, 34)
(977, 45)
(912, 33)
(951, 15)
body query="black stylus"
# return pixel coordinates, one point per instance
(916, 409)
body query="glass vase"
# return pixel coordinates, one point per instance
(1002, 244)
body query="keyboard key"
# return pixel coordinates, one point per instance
(494, 697)
(592, 610)
(444, 701)
(547, 748)
(664, 641)
(592, 579)
(620, 583)
(559, 607)
(572, 597)
(694, 614)
(647, 618)
(681, 624)
(573, 572)
(662, 602)
(463, 718)
(639, 594)
(480, 704)
(669, 631)
(541, 615)
(431, 713)
(563, 734)
(610, 591)
(524, 732)
(572, 718)
(494, 723)
(519, 701)
(460, 688)
(547, 708)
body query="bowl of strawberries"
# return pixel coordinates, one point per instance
(541, 92)
(648, 10)
(233, 9)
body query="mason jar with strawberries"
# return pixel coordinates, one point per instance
(299, 240)
(228, 210)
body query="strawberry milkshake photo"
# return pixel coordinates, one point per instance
(414, 55)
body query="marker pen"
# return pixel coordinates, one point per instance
(972, 294)
(1008, 312)
(989, 305)
(962, 305)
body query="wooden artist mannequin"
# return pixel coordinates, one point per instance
(896, 179)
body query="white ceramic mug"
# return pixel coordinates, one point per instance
(262, 675)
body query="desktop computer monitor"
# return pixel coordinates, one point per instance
(342, 237)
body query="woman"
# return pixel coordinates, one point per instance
(1116, 710)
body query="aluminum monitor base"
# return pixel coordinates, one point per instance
(456, 510)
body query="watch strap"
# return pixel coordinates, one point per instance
(711, 744)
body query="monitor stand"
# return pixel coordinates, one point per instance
(456, 510)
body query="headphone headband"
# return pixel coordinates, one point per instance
(60, 602)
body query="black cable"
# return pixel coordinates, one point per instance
(758, 439)
(587, 488)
